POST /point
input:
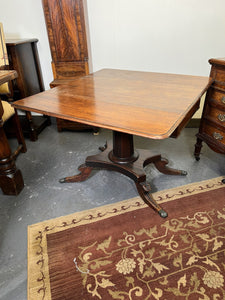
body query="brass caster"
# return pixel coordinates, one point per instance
(62, 180)
(183, 173)
(163, 213)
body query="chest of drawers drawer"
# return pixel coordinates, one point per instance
(218, 97)
(217, 135)
(216, 116)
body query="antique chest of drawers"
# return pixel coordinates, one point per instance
(212, 126)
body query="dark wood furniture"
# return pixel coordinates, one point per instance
(11, 180)
(129, 103)
(23, 57)
(212, 127)
(65, 21)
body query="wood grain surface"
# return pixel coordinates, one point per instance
(147, 104)
(6, 75)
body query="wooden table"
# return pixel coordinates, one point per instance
(151, 105)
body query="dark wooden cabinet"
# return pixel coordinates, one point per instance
(212, 126)
(65, 22)
(67, 38)
(23, 57)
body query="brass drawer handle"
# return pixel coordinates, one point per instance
(221, 117)
(217, 136)
(223, 100)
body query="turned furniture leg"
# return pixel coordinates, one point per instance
(48, 120)
(198, 147)
(33, 134)
(11, 180)
(19, 133)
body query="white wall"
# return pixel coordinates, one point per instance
(175, 36)
(25, 19)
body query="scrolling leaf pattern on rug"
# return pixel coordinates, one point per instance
(182, 258)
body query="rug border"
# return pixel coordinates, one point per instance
(160, 196)
(37, 232)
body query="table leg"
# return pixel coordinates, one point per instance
(11, 179)
(124, 159)
(198, 147)
(82, 176)
(144, 191)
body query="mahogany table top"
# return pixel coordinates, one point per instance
(147, 104)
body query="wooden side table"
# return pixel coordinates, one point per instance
(152, 105)
(23, 57)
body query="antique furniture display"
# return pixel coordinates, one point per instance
(151, 105)
(66, 29)
(11, 180)
(212, 127)
(23, 57)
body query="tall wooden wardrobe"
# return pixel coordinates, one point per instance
(65, 21)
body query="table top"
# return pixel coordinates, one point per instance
(147, 104)
(15, 42)
(6, 75)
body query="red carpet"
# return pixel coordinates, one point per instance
(126, 251)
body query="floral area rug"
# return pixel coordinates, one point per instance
(126, 251)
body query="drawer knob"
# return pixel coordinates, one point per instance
(221, 117)
(217, 136)
(223, 100)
